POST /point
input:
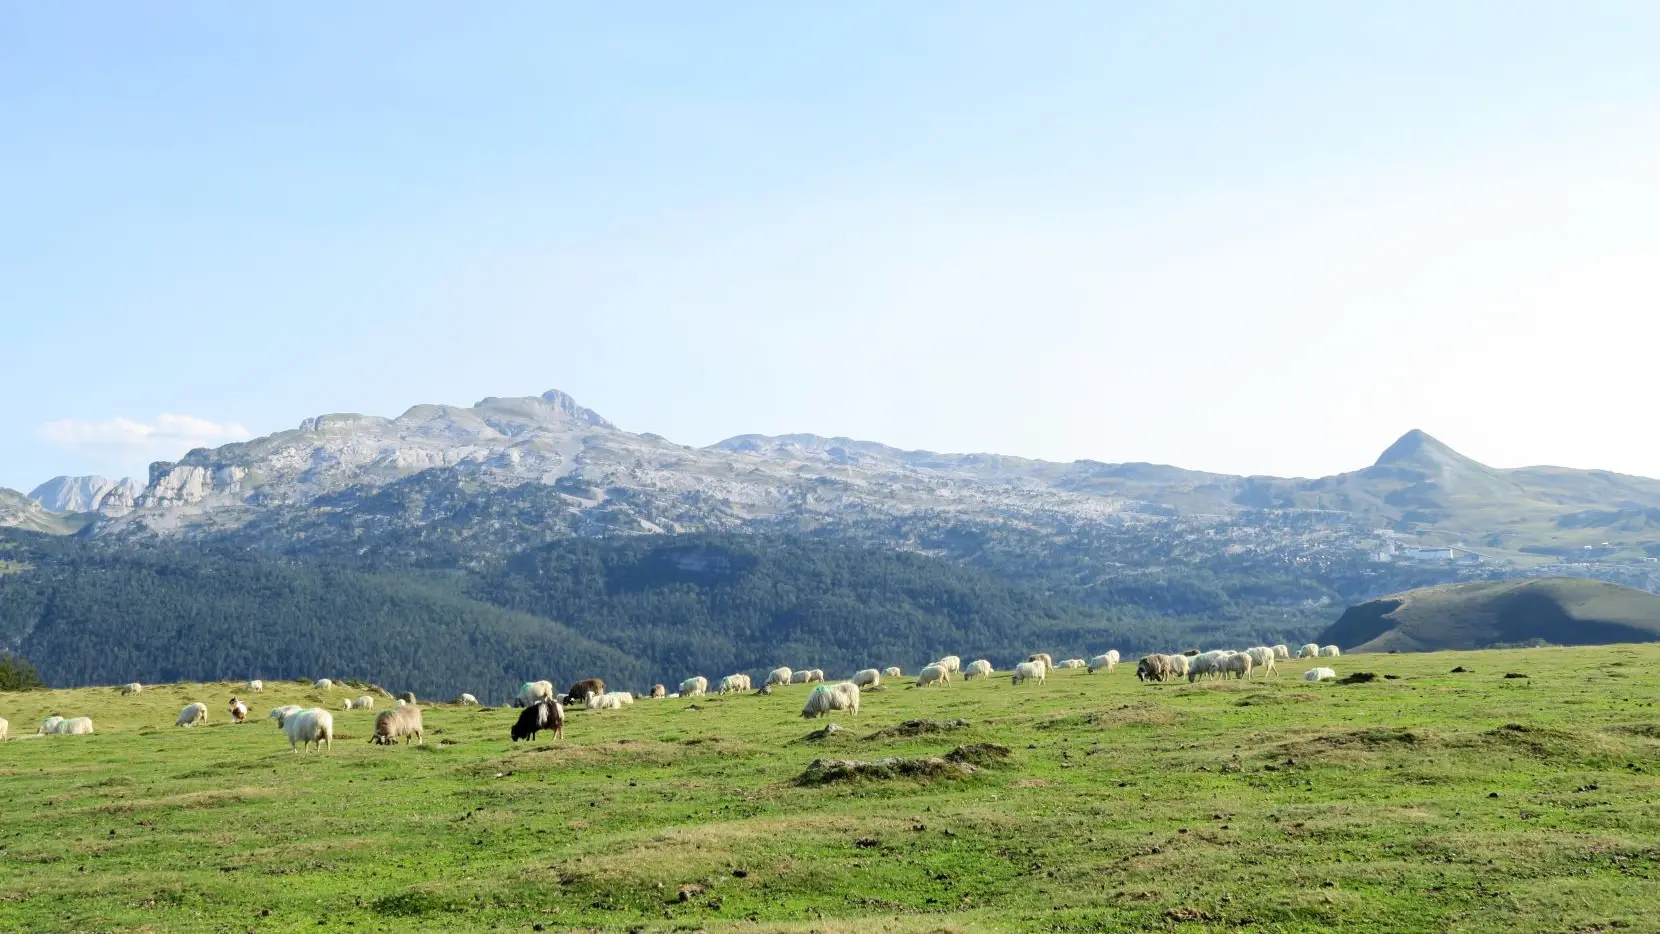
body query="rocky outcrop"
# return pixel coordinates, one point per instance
(84, 494)
(20, 512)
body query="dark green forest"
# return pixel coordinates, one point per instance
(634, 610)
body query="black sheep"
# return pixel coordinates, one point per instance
(545, 714)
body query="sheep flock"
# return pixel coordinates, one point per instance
(544, 708)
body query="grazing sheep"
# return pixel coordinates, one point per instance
(732, 684)
(133, 688)
(1153, 668)
(800, 676)
(1114, 656)
(933, 674)
(1102, 661)
(323, 684)
(979, 668)
(1308, 651)
(408, 697)
(1237, 664)
(815, 675)
(893, 671)
(1319, 674)
(347, 704)
(1030, 671)
(1072, 663)
(77, 726)
(582, 690)
(1330, 651)
(256, 685)
(400, 702)
(1179, 664)
(542, 715)
(192, 714)
(308, 727)
(466, 700)
(1204, 664)
(49, 725)
(402, 723)
(951, 663)
(364, 702)
(281, 713)
(1282, 651)
(1048, 663)
(659, 691)
(828, 697)
(781, 676)
(5, 729)
(695, 686)
(238, 710)
(867, 678)
(532, 691)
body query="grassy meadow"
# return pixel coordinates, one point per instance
(1431, 801)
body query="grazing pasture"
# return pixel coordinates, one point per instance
(1419, 800)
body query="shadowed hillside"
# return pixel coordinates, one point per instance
(1561, 611)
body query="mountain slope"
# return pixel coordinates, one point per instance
(1482, 614)
(20, 512)
(84, 494)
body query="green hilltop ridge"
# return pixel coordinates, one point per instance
(1484, 614)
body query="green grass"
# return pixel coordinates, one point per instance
(1274, 806)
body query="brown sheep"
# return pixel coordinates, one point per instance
(399, 722)
(582, 690)
(1154, 668)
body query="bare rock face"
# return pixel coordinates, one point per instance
(84, 494)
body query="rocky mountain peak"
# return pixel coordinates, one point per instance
(83, 494)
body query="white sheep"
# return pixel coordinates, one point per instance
(1072, 663)
(133, 688)
(256, 685)
(532, 691)
(5, 729)
(1030, 671)
(192, 714)
(1308, 651)
(49, 725)
(1282, 651)
(1262, 659)
(400, 702)
(1179, 665)
(695, 686)
(467, 700)
(801, 676)
(867, 678)
(280, 713)
(612, 700)
(1048, 663)
(1319, 674)
(781, 676)
(828, 697)
(893, 671)
(1330, 651)
(951, 663)
(1102, 661)
(933, 674)
(238, 710)
(347, 703)
(404, 723)
(979, 668)
(77, 726)
(1205, 664)
(1113, 655)
(816, 674)
(323, 684)
(1237, 664)
(308, 727)
(732, 684)
(364, 702)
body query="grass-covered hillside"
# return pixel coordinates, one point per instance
(1423, 800)
(1479, 614)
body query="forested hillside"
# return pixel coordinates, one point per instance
(634, 610)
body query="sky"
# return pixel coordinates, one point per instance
(1256, 238)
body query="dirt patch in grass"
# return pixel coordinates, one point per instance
(828, 771)
(919, 728)
(1273, 700)
(1145, 713)
(1368, 740)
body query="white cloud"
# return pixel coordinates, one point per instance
(121, 431)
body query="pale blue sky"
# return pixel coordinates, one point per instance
(1246, 237)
